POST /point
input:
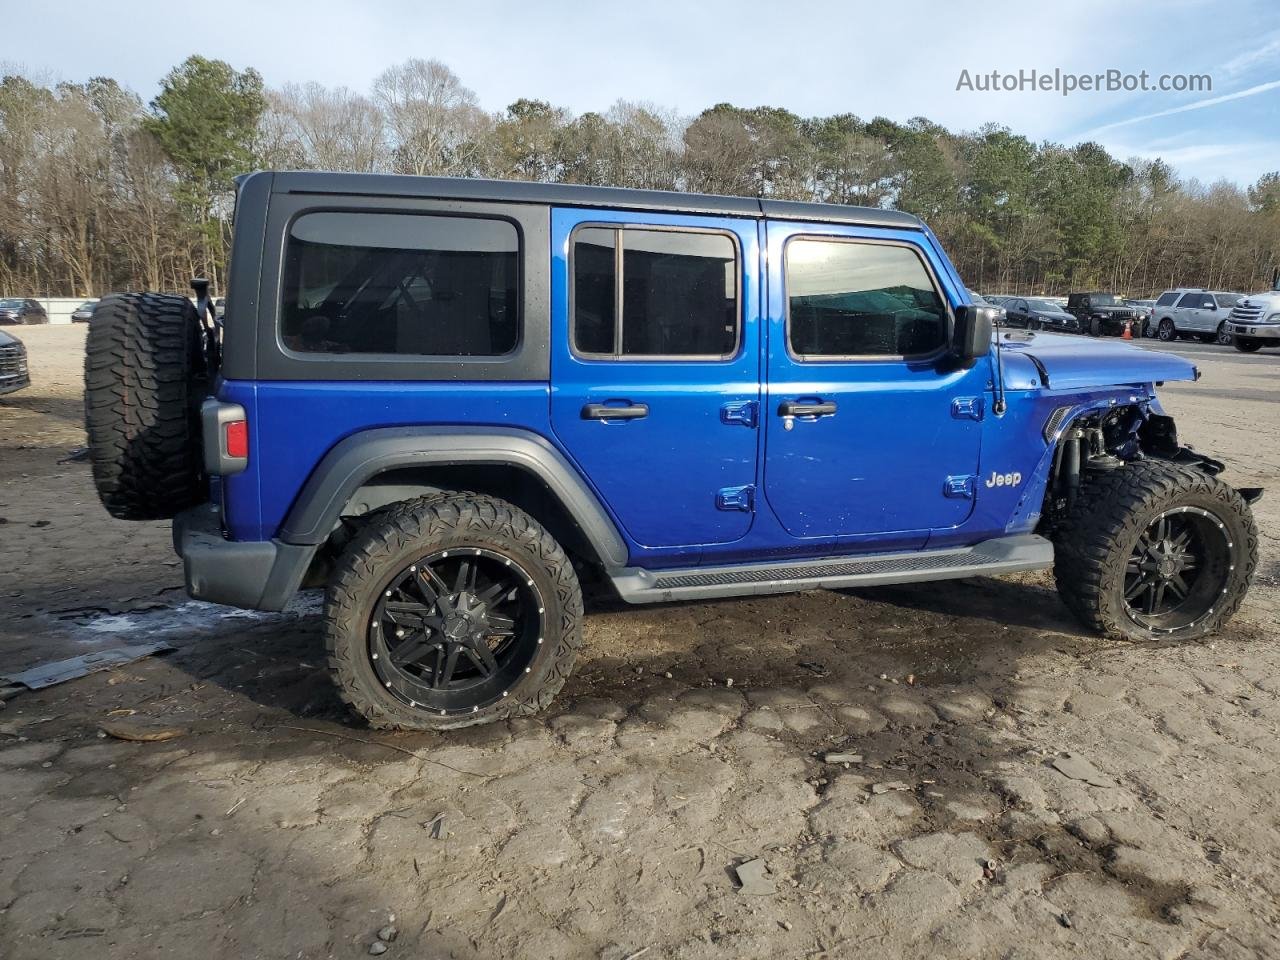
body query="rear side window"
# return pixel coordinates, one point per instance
(1166, 299)
(852, 299)
(380, 283)
(654, 293)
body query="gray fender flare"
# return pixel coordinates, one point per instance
(354, 461)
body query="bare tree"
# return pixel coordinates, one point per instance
(433, 120)
(325, 128)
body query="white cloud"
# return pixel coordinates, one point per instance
(1249, 59)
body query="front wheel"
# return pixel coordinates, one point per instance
(1166, 331)
(1248, 345)
(450, 611)
(1225, 336)
(1155, 549)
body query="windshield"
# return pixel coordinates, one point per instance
(1104, 299)
(978, 298)
(1226, 299)
(1044, 305)
(10, 304)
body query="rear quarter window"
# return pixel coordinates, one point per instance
(406, 284)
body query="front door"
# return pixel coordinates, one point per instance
(655, 368)
(872, 433)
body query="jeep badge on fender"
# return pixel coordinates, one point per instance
(443, 400)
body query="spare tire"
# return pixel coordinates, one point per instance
(145, 376)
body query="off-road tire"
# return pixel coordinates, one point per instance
(144, 374)
(1247, 344)
(1111, 511)
(401, 534)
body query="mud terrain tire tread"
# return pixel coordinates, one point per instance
(420, 525)
(1092, 544)
(144, 373)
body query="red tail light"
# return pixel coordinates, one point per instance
(236, 442)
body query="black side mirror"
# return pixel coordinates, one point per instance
(971, 337)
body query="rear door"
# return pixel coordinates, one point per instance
(872, 435)
(655, 368)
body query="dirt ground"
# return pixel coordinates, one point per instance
(1019, 789)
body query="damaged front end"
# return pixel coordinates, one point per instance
(1107, 438)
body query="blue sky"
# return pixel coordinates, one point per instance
(899, 59)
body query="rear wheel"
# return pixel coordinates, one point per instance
(1167, 331)
(451, 611)
(1247, 344)
(145, 376)
(1156, 549)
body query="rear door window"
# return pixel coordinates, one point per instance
(1192, 300)
(410, 284)
(641, 293)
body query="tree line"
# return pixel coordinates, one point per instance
(101, 192)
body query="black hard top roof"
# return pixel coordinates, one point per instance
(574, 195)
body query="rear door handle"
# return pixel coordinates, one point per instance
(602, 411)
(795, 408)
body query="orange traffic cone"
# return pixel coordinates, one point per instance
(1126, 335)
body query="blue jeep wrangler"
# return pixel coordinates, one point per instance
(449, 400)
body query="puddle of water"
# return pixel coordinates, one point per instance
(189, 617)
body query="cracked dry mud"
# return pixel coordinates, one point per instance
(277, 827)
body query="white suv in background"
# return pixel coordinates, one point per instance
(1194, 311)
(1255, 321)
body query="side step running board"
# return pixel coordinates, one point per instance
(1006, 555)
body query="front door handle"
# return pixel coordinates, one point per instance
(797, 408)
(602, 411)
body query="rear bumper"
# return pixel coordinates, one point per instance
(1255, 331)
(254, 574)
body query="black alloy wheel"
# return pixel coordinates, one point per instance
(1178, 570)
(455, 630)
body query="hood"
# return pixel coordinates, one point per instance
(1073, 363)
(7, 338)
(1265, 299)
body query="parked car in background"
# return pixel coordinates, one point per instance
(1143, 309)
(13, 364)
(1036, 314)
(20, 310)
(1194, 311)
(84, 312)
(1255, 319)
(1100, 314)
(220, 308)
(982, 301)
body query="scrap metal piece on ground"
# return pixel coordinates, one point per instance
(753, 879)
(60, 671)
